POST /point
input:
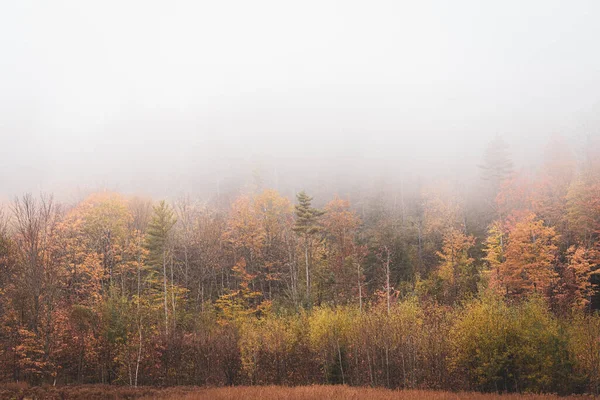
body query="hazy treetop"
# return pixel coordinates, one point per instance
(160, 96)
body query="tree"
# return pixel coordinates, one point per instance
(340, 225)
(244, 301)
(457, 270)
(497, 165)
(530, 256)
(497, 347)
(494, 252)
(307, 226)
(549, 196)
(244, 230)
(159, 250)
(574, 290)
(583, 209)
(275, 214)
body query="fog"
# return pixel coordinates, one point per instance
(174, 97)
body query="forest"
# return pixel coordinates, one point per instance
(428, 285)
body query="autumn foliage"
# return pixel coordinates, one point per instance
(422, 288)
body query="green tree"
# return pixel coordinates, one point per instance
(307, 226)
(159, 250)
(501, 347)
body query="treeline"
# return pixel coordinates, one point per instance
(415, 288)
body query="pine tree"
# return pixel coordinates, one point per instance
(307, 226)
(497, 165)
(157, 244)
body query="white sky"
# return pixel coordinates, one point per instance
(143, 93)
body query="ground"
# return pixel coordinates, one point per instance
(100, 392)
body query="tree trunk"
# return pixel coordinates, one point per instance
(387, 277)
(165, 295)
(139, 355)
(307, 271)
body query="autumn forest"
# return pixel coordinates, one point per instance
(416, 286)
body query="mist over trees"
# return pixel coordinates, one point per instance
(489, 286)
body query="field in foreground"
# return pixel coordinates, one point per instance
(344, 392)
(100, 392)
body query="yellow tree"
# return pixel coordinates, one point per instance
(244, 301)
(494, 252)
(244, 231)
(441, 213)
(259, 230)
(99, 225)
(275, 220)
(457, 270)
(340, 224)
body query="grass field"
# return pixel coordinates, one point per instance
(100, 392)
(344, 393)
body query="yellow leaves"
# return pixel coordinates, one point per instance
(456, 268)
(441, 209)
(328, 326)
(489, 338)
(270, 339)
(494, 245)
(95, 237)
(244, 301)
(105, 214)
(455, 248)
(275, 212)
(584, 343)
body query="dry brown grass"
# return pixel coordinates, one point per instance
(90, 392)
(104, 392)
(347, 393)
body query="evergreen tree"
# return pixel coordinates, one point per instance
(497, 165)
(157, 244)
(495, 170)
(307, 226)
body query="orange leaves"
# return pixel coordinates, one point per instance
(549, 195)
(514, 196)
(576, 285)
(583, 209)
(341, 224)
(254, 222)
(244, 229)
(338, 219)
(530, 256)
(30, 353)
(258, 229)
(97, 240)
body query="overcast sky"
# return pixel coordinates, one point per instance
(157, 95)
